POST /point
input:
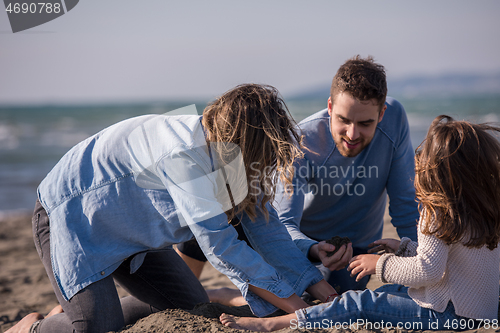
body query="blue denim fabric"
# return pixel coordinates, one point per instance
(342, 280)
(388, 306)
(100, 215)
(340, 196)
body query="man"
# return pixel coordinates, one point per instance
(358, 151)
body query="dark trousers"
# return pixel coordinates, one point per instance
(163, 281)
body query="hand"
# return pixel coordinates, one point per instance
(337, 261)
(387, 245)
(363, 265)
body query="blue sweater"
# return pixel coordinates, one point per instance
(343, 196)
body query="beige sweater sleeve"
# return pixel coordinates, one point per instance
(416, 266)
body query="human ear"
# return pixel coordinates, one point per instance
(381, 114)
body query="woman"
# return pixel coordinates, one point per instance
(115, 204)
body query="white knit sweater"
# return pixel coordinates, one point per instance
(438, 273)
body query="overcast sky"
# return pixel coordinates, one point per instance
(116, 50)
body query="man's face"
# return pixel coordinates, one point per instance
(353, 123)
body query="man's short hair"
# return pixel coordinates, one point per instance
(361, 78)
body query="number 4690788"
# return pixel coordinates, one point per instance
(33, 8)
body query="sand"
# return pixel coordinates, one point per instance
(25, 288)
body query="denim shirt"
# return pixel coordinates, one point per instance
(145, 184)
(346, 196)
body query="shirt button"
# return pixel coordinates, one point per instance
(102, 273)
(248, 280)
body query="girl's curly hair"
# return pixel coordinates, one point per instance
(457, 182)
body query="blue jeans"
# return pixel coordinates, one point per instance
(388, 306)
(342, 280)
(163, 281)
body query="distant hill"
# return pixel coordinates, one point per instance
(422, 86)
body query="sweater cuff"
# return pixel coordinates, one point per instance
(407, 248)
(380, 268)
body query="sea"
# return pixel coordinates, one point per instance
(33, 138)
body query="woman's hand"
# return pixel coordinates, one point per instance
(387, 245)
(363, 265)
(289, 305)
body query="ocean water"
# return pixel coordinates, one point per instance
(33, 139)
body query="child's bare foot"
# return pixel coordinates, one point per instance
(244, 323)
(57, 309)
(226, 296)
(257, 324)
(24, 325)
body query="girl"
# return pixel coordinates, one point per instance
(114, 204)
(450, 278)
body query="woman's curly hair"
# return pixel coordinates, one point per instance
(255, 118)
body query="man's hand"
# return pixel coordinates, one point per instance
(363, 265)
(337, 261)
(387, 245)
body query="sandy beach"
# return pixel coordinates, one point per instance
(25, 288)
